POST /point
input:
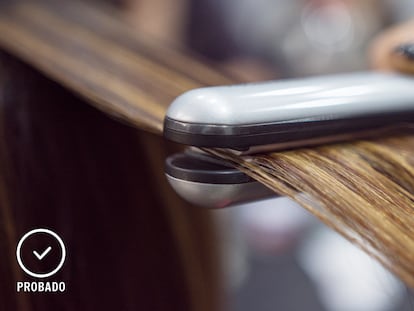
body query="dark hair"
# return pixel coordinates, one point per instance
(132, 244)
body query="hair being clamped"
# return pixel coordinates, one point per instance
(277, 115)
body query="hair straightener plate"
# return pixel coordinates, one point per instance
(281, 114)
(285, 112)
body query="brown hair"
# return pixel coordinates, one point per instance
(132, 244)
(66, 165)
(362, 189)
(98, 182)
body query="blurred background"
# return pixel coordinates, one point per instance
(276, 256)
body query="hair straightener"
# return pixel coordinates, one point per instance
(275, 115)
